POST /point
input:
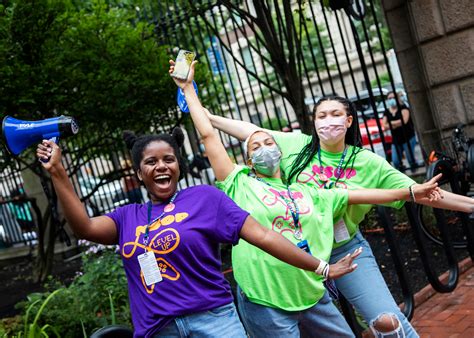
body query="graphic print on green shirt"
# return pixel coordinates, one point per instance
(264, 279)
(369, 170)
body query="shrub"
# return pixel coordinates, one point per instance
(97, 297)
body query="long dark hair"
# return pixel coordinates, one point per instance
(353, 138)
(137, 144)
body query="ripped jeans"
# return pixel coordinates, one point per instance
(367, 291)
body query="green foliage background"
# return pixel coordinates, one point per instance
(89, 59)
(83, 306)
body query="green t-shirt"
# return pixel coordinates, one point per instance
(369, 170)
(264, 279)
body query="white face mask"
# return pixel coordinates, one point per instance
(331, 130)
(266, 160)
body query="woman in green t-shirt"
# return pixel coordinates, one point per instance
(331, 157)
(274, 298)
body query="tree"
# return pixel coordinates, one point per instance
(93, 60)
(277, 32)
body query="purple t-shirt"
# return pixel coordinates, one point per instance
(186, 247)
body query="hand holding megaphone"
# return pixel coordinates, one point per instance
(49, 154)
(20, 134)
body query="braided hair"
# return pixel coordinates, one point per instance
(352, 137)
(137, 144)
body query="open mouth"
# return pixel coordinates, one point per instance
(163, 181)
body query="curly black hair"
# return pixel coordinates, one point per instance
(137, 144)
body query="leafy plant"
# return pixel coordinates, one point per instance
(96, 298)
(35, 329)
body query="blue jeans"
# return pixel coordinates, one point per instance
(365, 288)
(399, 149)
(321, 320)
(222, 321)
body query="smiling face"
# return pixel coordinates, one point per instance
(159, 170)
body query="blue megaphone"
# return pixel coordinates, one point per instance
(183, 105)
(19, 135)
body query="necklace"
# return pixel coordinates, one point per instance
(168, 208)
(338, 173)
(292, 205)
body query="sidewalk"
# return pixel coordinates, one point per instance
(446, 315)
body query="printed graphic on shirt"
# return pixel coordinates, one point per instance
(332, 173)
(285, 223)
(162, 241)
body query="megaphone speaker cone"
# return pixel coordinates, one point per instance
(19, 134)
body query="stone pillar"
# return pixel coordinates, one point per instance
(434, 42)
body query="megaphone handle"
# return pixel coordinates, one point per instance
(55, 139)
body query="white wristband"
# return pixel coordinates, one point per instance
(321, 267)
(326, 272)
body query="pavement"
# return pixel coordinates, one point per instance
(447, 315)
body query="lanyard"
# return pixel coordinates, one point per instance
(168, 207)
(294, 209)
(337, 173)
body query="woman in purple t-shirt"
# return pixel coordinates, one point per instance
(170, 245)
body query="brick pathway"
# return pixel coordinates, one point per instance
(448, 315)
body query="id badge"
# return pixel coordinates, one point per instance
(150, 268)
(304, 246)
(341, 233)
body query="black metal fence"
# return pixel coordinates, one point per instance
(269, 62)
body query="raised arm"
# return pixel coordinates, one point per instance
(237, 128)
(428, 191)
(215, 150)
(281, 248)
(100, 229)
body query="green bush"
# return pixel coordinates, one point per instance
(96, 298)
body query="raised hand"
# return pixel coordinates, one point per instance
(183, 83)
(428, 190)
(344, 265)
(49, 154)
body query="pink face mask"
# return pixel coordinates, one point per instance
(331, 130)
